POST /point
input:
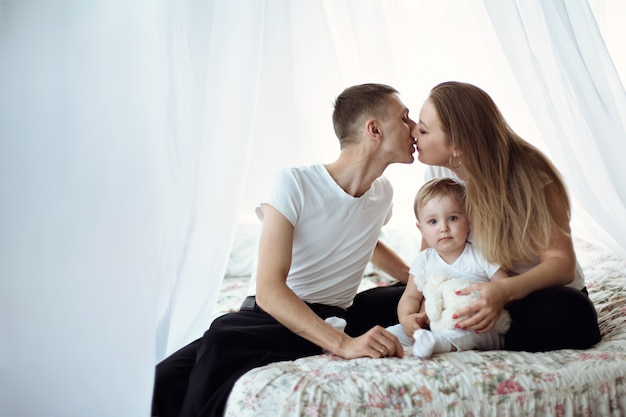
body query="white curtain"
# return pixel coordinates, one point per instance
(575, 94)
(135, 135)
(210, 89)
(81, 141)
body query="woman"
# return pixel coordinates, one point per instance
(520, 212)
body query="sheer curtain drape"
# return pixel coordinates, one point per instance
(135, 135)
(210, 90)
(574, 92)
(81, 207)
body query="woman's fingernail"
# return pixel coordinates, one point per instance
(457, 292)
(454, 316)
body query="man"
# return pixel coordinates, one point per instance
(320, 229)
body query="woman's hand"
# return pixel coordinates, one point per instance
(484, 312)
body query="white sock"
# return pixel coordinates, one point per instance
(398, 331)
(469, 340)
(337, 322)
(427, 343)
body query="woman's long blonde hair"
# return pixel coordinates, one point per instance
(506, 176)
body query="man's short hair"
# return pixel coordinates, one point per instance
(357, 103)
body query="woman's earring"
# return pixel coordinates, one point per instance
(451, 164)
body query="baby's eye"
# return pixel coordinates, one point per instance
(453, 218)
(432, 221)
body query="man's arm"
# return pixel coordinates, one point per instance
(277, 299)
(389, 261)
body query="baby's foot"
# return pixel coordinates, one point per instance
(427, 343)
(337, 322)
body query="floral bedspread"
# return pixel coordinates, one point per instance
(498, 383)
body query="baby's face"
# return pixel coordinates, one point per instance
(444, 224)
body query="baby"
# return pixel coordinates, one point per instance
(441, 218)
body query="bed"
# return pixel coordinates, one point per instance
(497, 383)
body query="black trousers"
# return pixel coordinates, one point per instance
(551, 319)
(197, 379)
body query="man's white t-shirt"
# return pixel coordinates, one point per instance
(442, 172)
(334, 233)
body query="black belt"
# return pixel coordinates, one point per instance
(322, 310)
(250, 304)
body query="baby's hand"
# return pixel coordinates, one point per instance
(412, 322)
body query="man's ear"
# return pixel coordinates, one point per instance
(372, 128)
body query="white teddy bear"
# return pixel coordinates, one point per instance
(442, 302)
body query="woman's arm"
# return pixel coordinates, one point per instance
(499, 275)
(557, 263)
(557, 266)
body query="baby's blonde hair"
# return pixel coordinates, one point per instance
(438, 187)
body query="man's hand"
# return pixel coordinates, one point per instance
(376, 343)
